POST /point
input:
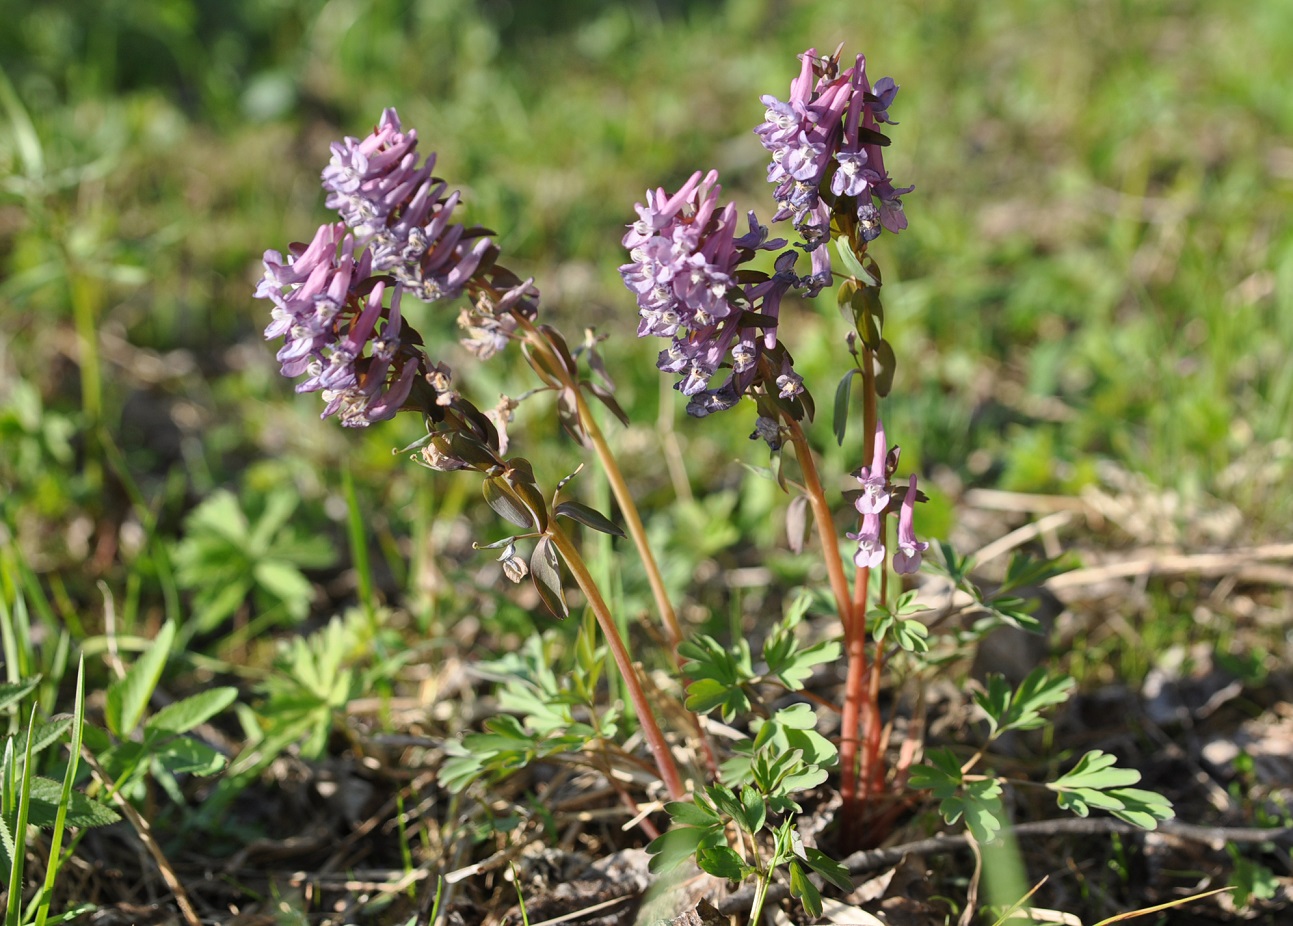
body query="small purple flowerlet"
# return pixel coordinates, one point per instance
(907, 558)
(870, 551)
(875, 478)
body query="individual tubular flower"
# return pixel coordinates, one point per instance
(874, 497)
(870, 551)
(823, 139)
(906, 559)
(685, 259)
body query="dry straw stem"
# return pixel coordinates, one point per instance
(146, 837)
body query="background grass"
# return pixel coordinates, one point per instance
(1096, 279)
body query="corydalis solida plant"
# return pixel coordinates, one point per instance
(686, 272)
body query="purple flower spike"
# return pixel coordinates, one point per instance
(685, 255)
(875, 478)
(907, 559)
(817, 133)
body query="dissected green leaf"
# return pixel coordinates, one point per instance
(1021, 709)
(1097, 769)
(940, 774)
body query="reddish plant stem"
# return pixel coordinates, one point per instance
(823, 519)
(850, 720)
(861, 715)
(632, 519)
(619, 488)
(619, 652)
(875, 732)
(853, 619)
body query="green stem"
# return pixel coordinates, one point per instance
(650, 729)
(619, 488)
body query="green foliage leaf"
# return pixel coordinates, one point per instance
(182, 716)
(1022, 709)
(286, 583)
(607, 398)
(1027, 570)
(980, 804)
(754, 811)
(852, 265)
(976, 799)
(185, 755)
(128, 697)
(670, 849)
(792, 666)
(81, 811)
(721, 862)
(1097, 782)
(11, 693)
(886, 366)
(589, 517)
(688, 813)
(828, 868)
(718, 674)
(840, 412)
(805, 890)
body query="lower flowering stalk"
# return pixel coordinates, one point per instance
(338, 304)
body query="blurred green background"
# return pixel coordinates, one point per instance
(1096, 277)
